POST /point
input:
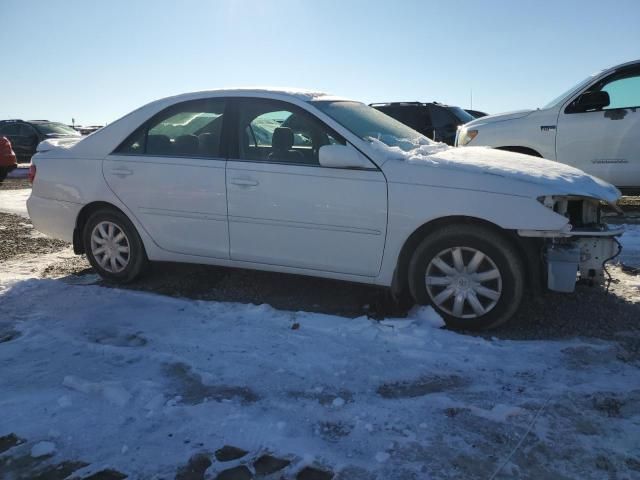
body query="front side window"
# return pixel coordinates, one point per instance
(370, 124)
(188, 129)
(623, 92)
(275, 131)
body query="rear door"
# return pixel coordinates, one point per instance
(170, 173)
(285, 209)
(605, 142)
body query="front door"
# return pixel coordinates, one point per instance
(171, 175)
(285, 209)
(605, 142)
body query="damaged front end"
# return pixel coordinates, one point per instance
(581, 249)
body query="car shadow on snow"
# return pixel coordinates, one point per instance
(281, 291)
(590, 311)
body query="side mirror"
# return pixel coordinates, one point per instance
(342, 156)
(591, 101)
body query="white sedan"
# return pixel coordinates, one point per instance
(310, 184)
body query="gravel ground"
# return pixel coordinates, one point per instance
(14, 184)
(590, 312)
(17, 236)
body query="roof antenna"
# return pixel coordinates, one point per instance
(471, 95)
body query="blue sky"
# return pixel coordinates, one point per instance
(96, 61)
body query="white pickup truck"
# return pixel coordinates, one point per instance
(594, 126)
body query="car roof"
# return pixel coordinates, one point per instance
(408, 104)
(297, 93)
(15, 120)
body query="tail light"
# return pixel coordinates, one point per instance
(32, 172)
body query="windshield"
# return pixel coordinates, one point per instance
(368, 123)
(576, 87)
(53, 128)
(462, 115)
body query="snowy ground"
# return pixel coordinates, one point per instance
(14, 201)
(139, 383)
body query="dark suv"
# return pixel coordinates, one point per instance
(437, 121)
(26, 135)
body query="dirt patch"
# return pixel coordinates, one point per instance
(15, 184)
(9, 441)
(191, 389)
(421, 386)
(325, 397)
(333, 431)
(588, 312)
(17, 236)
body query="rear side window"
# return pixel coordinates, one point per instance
(188, 129)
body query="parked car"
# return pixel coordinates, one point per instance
(593, 126)
(86, 129)
(304, 183)
(476, 113)
(8, 159)
(25, 135)
(434, 120)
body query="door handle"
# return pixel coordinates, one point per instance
(121, 172)
(244, 182)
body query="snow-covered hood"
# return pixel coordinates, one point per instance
(498, 171)
(500, 117)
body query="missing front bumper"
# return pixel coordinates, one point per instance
(577, 255)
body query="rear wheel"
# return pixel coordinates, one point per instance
(473, 276)
(113, 246)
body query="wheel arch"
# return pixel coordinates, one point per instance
(529, 250)
(520, 149)
(83, 216)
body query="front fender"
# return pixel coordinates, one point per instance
(508, 212)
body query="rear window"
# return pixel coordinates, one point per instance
(54, 128)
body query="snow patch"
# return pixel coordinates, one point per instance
(42, 449)
(382, 457)
(112, 391)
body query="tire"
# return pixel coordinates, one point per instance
(125, 257)
(3, 173)
(465, 300)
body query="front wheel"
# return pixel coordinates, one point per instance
(113, 246)
(471, 275)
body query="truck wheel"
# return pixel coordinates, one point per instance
(471, 275)
(113, 246)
